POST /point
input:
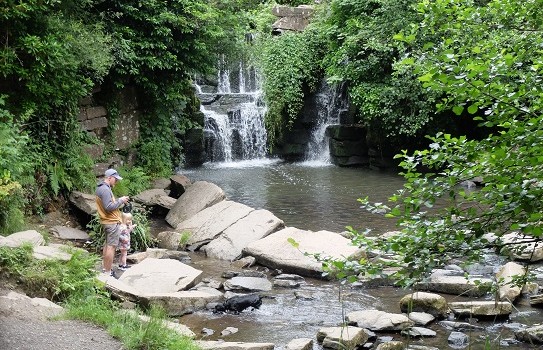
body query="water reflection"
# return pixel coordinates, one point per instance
(310, 196)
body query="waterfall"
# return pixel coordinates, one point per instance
(234, 121)
(329, 104)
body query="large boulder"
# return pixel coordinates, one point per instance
(160, 276)
(196, 198)
(379, 321)
(257, 225)
(17, 239)
(433, 304)
(209, 223)
(276, 250)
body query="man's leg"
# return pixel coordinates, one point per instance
(107, 258)
(111, 243)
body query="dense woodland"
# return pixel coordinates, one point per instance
(467, 73)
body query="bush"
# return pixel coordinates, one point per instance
(140, 238)
(134, 181)
(52, 279)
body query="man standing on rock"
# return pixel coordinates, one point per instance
(110, 217)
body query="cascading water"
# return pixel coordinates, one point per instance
(234, 116)
(329, 105)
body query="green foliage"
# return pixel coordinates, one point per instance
(155, 157)
(14, 166)
(140, 238)
(133, 332)
(490, 64)
(134, 181)
(13, 262)
(290, 64)
(50, 278)
(362, 52)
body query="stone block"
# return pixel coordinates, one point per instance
(96, 112)
(93, 124)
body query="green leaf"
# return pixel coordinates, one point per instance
(458, 110)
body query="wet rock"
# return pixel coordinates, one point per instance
(300, 344)
(481, 308)
(377, 321)
(249, 284)
(244, 273)
(286, 284)
(531, 335)
(421, 318)
(418, 332)
(341, 337)
(536, 300)
(433, 304)
(508, 291)
(207, 331)
(229, 331)
(303, 296)
(444, 281)
(244, 263)
(460, 326)
(458, 339)
(290, 277)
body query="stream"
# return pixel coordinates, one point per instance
(314, 196)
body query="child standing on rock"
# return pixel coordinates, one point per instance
(124, 239)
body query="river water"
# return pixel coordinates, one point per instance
(318, 196)
(310, 195)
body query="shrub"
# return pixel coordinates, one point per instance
(140, 238)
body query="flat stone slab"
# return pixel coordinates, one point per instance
(248, 284)
(53, 251)
(212, 221)
(196, 198)
(441, 282)
(17, 239)
(256, 225)
(160, 276)
(275, 250)
(378, 321)
(481, 308)
(69, 233)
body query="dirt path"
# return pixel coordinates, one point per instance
(25, 326)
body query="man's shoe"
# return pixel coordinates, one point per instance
(112, 274)
(123, 267)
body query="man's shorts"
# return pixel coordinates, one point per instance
(113, 232)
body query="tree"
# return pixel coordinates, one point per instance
(486, 61)
(362, 52)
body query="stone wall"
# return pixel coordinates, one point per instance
(291, 18)
(95, 119)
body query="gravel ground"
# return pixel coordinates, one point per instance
(26, 326)
(29, 334)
